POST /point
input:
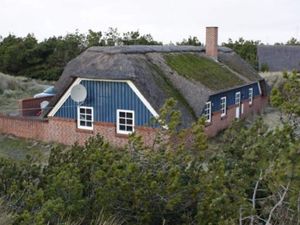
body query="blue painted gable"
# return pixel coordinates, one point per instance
(106, 97)
(230, 96)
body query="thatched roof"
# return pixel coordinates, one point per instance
(279, 57)
(155, 77)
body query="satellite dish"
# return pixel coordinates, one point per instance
(44, 104)
(78, 93)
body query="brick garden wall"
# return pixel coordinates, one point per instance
(65, 131)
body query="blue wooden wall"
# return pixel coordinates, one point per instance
(230, 96)
(106, 97)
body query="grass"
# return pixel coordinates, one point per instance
(18, 149)
(204, 70)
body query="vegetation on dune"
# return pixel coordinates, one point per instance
(202, 69)
(13, 89)
(18, 149)
(251, 176)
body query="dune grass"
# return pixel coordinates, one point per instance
(18, 149)
(14, 88)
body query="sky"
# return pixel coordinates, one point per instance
(269, 21)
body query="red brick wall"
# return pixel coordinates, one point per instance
(24, 127)
(31, 106)
(65, 131)
(220, 123)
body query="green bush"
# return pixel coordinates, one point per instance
(264, 67)
(173, 182)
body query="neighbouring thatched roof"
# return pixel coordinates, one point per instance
(279, 57)
(161, 72)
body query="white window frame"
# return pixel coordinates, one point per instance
(118, 121)
(250, 96)
(207, 112)
(238, 98)
(223, 106)
(78, 118)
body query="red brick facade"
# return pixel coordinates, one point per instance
(220, 123)
(65, 131)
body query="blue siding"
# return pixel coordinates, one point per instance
(106, 97)
(230, 96)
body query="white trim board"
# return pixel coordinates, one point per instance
(63, 98)
(259, 88)
(78, 80)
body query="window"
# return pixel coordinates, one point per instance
(223, 106)
(207, 112)
(125, 121)
(250, 96)
(85, 117)
(238, 98)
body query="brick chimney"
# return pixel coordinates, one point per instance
(212, 42)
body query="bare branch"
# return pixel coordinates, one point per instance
(268, 222)
(254, 198)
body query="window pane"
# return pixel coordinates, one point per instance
(89, 124)
(82, 123)
(89, 117)
(122, 127)
(129, 115)
(82, 110)
(89, 111)
(122, 114)
(129, 121)
(122, 121)
(129, 128)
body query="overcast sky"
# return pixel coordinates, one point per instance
(266, 20)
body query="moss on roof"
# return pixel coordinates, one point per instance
(171, 92)
(202, 69)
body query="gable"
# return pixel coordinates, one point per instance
(106, 97)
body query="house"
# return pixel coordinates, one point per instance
(127, 85)
(276, 58)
